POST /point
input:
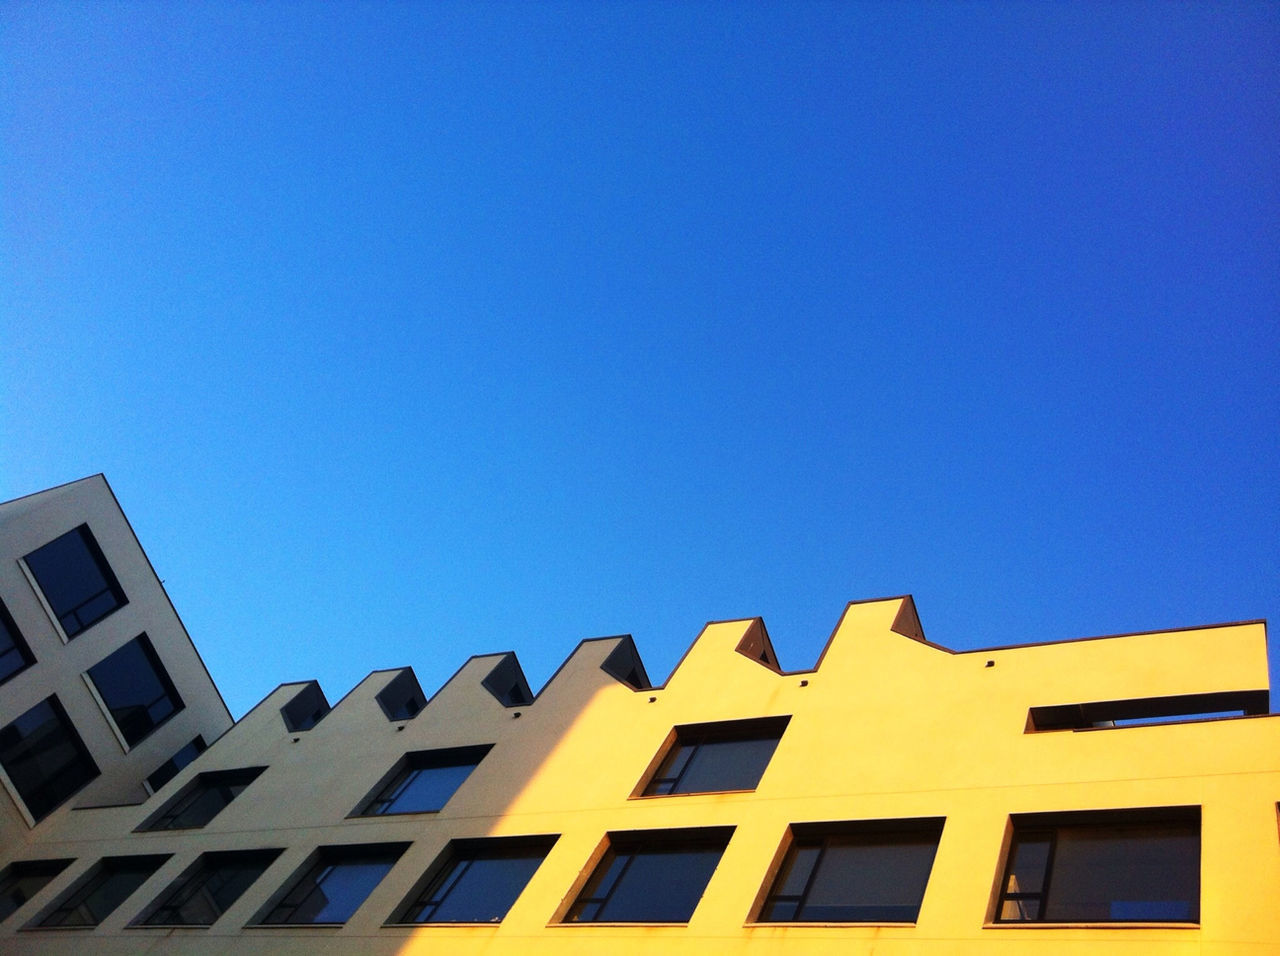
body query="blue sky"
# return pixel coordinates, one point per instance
(410, 331)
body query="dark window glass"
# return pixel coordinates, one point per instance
(1092, 869)
(649, 878)
(478, 882)
(169, 769)
(207, 889)
(108, 884)
(872, 872)
(402, 698)
(24, 879)
(424, 781)
(136, 689)
(45, 758)
(14, 653)
(76, 580)
(335, 884)
(202, 799)
(307, 708)
(710, 758)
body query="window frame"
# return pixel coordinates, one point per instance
(95, 554)
(45, 871)
(93, 881)
(194, 879)
(83, 759)
(163, 820)
(633, 844)
(122, 715)
(1022, 826)
(173, 766)
(395, 783)
(692, 738)
(825, 835)
(309, 878)
(17, 645)
(449, 871)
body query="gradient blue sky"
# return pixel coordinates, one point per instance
(410, 331)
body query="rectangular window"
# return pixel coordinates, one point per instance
(24, 879)
(1143, 711)
(856, 872)
(96, 896)
(423, 781)
(332, 887)
(76, 580)
(650, 877)
(15, 656)
(475, 881)
(208, 888)
(136, 689)
(44, 757)
(202, 799)
(714, 758)
(169, 769)
(1105, 867)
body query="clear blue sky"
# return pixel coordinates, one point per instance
(410, 331)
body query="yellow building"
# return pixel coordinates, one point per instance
(1107, 795)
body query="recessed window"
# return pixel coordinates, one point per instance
(307, 708)
(423, 781)
(24, 879)
(650, 877)
(332, 887)
(1105, 867)
(15, 656)
(44, 757)
(476, 881)
(202, 799)
(96, 896)
(208, 888)
(402, 698)
(1144, 711)
(169, 769)
(713, 758)
(858, 872)
(76, 580)
(136, 689)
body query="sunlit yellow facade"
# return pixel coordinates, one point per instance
(886, 727)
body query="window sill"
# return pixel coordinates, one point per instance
(849, 924)
(1095, 925)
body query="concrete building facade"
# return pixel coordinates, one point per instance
(1109, 795)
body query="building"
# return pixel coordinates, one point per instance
(1108, 795)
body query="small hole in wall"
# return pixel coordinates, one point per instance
(652, 699)
(804, 683)
(991, 663)
(516, 715)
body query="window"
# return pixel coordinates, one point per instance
(712, 758)
(96, 896)
(169, 769)
(307, 708)
(402, 698)
(202, 799)
(476, 881)
(24, 879)
(857, 872)
(45, 758)
(136, 689)
(334, 885)
(1143, 711)
(207, 889)
(1108, 867)
(650, 877)
(76, 580)
(423, 781)
(15, 656)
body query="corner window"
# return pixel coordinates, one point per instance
(332, 887)
(1107, 867)
(202, 799)
(24, 879)
(208, 888)
(650, 877)
(15, 656)
(423, 781)
(76, 580)
(476, 881)
(713, 758)
(857, 872)
(169, 769)
(136, 689)
(44, 757)
(96, 896)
